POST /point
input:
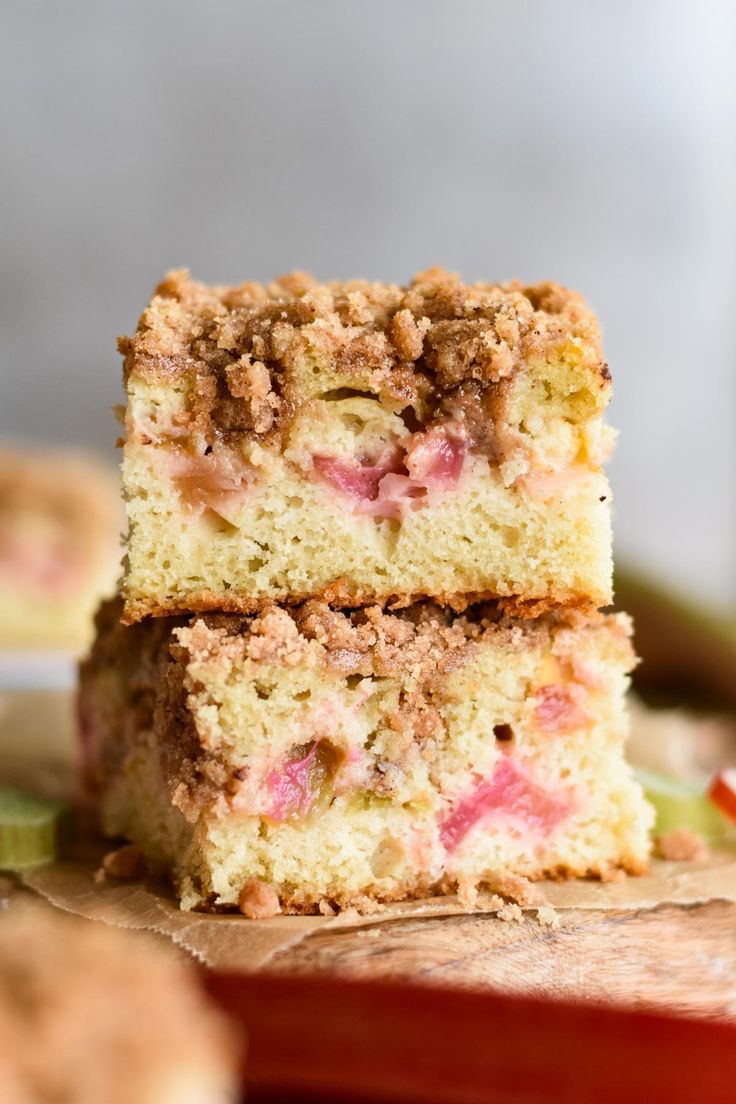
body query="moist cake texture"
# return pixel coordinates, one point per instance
(60, 525)
(307, 758)
(364, 443)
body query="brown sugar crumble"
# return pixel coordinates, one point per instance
(681, 845)
(258, 901)
(124, 863)
(437, 344)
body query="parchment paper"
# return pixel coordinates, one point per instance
(237, 943)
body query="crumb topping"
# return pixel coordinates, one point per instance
(681, 845)
(124, 862)
(418, 643)
(258, 900)
(420, 345)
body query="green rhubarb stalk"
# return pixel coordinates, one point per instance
(30, 828)
(681, 804)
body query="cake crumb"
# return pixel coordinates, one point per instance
(326, 909)
(258, 900)
(548, 917)
(494, 903)
(511, 913)
(467, 894)
(123, 863)
(681, 845)
(516, 888)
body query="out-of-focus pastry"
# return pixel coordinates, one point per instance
(90, 1013)
(60, 523)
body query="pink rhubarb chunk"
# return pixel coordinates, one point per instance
(436, 458)
(208, 481)
(560, 708)
(509, 791)
(401, 479)
(545, 485)
(290, 788)
(359, 479)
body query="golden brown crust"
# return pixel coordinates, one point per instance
(340, 596)
(296, 903)
(421, 345)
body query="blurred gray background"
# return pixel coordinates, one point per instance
(589, 142)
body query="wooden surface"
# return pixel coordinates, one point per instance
(680, 958)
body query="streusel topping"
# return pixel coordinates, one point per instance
(413, 346)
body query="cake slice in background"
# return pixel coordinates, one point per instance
(60, 524)
(365, 442)
(310, 758)
(90, 1013)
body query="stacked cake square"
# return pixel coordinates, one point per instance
(358, 654)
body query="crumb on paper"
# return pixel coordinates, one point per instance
(495, 903)
(681, 845)
(467, 893)
(123, 863)
(548, 917)
(517, 888)
(258, 900)
(369, 933)
(511, 913)
(363, 906)
(326, 909)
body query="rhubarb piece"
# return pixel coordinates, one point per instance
(722, 792)
(681, 804)
(364, 443)
(305, 759)
(30, 827)
(60, 523)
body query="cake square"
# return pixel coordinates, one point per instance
(305, 759)
(60, 525)
(362, 443)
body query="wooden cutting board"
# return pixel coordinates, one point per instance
(680, 958)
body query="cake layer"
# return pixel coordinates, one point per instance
(364, 443)
(307, 758)
(60, 524)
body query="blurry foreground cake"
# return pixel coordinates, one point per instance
(365, 443)
(92, 1014)
(59, 546)
(309, 758)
